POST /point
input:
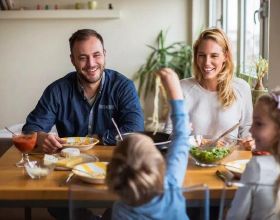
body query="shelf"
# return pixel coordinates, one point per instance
(60, 14)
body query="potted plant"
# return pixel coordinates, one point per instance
(177, 56)
(261, 72)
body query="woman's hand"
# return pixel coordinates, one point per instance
(247, 143)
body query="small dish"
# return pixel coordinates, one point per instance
(68, 163)
(94, 172)
(82, 143)
(237, 167)
(37, 170)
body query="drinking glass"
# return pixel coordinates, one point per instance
(24, 142)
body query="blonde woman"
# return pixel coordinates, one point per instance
(216, 99)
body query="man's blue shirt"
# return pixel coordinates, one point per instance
(63, 104)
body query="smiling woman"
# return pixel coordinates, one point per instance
(216, 100)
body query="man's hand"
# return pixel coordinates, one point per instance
(49, 143)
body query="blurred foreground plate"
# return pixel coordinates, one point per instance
(237, 167)
(82, 143)
(94, 172)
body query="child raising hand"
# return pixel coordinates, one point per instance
(260, 200)
(149, 186)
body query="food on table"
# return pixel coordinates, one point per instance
(38, 171)
(49, 159)
(77, 141)
(69, 162)
(70, 152)
(209, 155)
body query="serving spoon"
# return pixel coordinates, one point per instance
(212, 143)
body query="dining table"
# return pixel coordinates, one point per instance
(17, 189)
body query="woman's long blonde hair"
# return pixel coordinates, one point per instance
(271, 102)
(136, 171)
(225, 91)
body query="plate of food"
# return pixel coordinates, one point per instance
(94, 172)
(82, 143)
(211, 156)
(237, 167)
(67, 163)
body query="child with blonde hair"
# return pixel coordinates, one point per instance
(149, 186)
(259, 198)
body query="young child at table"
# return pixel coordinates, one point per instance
(259, 198)
(149, 187)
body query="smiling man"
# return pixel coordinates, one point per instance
(84, 102)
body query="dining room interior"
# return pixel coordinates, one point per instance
(34, 45)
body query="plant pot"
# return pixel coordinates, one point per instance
(256, 93)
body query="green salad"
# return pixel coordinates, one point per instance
(209, 156)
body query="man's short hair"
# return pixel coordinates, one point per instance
(82, 35)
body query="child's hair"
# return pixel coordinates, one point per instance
(272, 103)
(136, 171)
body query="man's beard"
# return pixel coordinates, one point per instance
(94, 80)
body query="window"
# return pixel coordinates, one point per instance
(246, 24)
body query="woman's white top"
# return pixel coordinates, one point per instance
(207, 115)
(256, 202)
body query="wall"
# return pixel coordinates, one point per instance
(274, 45)
(35, 52)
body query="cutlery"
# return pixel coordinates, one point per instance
(69, 177)
(117, 128)
(13, 133)
(212, 143)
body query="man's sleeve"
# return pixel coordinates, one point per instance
(42, 118)
(130, 116)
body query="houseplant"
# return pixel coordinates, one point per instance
(177, 56)
(261, 72)
(255, 78)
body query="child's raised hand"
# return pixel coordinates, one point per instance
(171, 83)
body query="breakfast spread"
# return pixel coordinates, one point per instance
(69, 162)
(70, 152)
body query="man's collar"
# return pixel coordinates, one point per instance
(81, 88)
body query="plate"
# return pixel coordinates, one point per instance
(70, 163)
(237, 167)
(94, 172)
(82, 143)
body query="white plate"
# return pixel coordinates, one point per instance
(237, 167)
(82, 143)
(94, 172)
(85, 159)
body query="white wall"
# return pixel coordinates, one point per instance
(33, 53)
(274, 45)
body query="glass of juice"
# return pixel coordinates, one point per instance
(24, 142)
